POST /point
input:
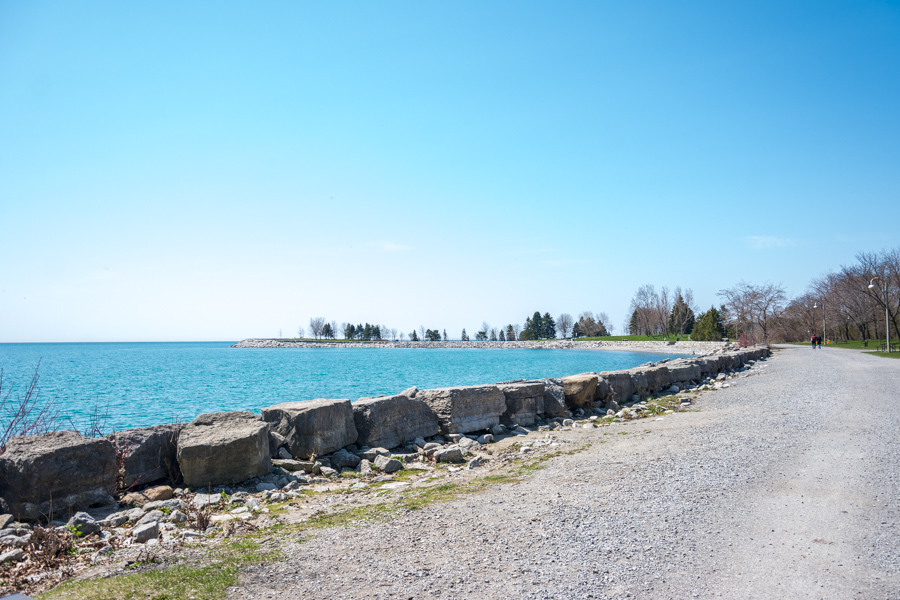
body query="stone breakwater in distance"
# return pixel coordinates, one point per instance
(681, 347)
(63, 471)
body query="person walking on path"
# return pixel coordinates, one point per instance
(813, 340)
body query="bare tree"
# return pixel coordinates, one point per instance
(517, 329)
(300, 332)
(402, 335)
(421, 333)
(754, 309)
(605, 322)
(393, 333)
(643, 318)
(334, 329)
(316, 324)
(564, 324)
(485, 328)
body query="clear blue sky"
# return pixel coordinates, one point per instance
(215, 171)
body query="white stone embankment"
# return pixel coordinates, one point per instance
(680, 347)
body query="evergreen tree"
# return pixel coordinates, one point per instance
(413, 337)
(681, 320)
(510, 333)
(708, 327)
(549, 327)
(464, 337)
(493, 335)
(445, 336)
(502, 336)
(633, 324)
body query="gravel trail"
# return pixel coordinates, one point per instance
(782, 486)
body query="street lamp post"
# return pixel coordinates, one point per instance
(887, 313)
(824, 324)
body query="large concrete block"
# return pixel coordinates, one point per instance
(620, 383)
(223, 448)
(465, 409)
(554, 398)
(657, 377)
(390, 421)
(638, 382)
(524, 402)
(684, 370)
(56, 472)
(580, 389)
(313, 427)
(603, 393)
(149, 453)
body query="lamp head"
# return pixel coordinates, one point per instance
(871, 286)
(815, 305)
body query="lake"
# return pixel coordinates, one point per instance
(152, 383)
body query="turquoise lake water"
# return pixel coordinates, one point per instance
(153, 383)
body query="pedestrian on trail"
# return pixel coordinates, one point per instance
(819, 341)
(813, 340)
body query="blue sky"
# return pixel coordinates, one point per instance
(216, 171)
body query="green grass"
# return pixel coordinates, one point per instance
(208, 581)
(885, 354)
(633, 338)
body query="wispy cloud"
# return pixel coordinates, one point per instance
(389, 247)
(761, 242)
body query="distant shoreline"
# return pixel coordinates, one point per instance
(683, 347)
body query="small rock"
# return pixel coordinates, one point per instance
(157, 493)
(264, 487)
(568, 422)
(365, 468)
(115, 519)
(476, 462)
(342, 458)
(201, 501)
(387, 464)
(674, 389)
(151, 517)
(177, 516)
(145, 532)
(84, 523)
(329, 472)
(420, 442)
(14, 540)
(359, 486)
(5, 520)
(14, 555)
(453, 454)
(252, 504)
(371, 453)
(497, 430)
(486, 439)
(454, 438)
(468, 443)
(173, 504)
(278, 497)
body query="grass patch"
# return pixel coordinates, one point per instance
(885, 354)
(210, 581)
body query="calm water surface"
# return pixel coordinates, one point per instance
(153, 383)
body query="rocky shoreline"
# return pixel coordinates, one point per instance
(238, 462)
(679, 347)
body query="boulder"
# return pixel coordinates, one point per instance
(276, 445)
(620, 385)
(313, 427)
(524, 402)
(603, 391)
(342, 458)
(683, 370)
(554, 397)
(149, 453)
(453, 454)
(657, 377)
(391, 420)
(387, 464)
(63, 467)
(84, 524)
(639, 386)
(223, 448)
(145, 532)
(579, 389)
(465, 409)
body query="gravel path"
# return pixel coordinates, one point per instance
(783, 486)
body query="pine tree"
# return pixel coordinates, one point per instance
(708, 327)
(510, 333)
(413, 337)
(502, 336)
(464, 337)
(549, 327)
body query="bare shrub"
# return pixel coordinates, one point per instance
(26, 414)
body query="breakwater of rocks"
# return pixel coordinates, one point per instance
(63, 471)
(673, 347)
